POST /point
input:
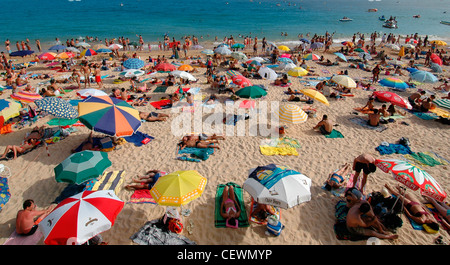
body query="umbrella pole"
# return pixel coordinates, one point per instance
(403, 201)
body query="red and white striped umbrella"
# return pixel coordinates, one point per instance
(78, 218)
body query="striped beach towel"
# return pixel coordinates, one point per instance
(443, 103)
(110, 181)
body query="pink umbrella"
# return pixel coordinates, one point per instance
(165, 67)
(285, 55)
(241, 81)
(393, 98)
(247, 104)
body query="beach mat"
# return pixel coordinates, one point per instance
(139, 138)
(219, 221)
(425, 115)
(363, 123)
(283, 151)
(141, 196)
(110, 181)
(16, 239)
(334, 134)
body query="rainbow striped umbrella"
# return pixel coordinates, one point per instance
(109, 115)
(88, 52)
(292, 114)
(26, 97)
(394, 83)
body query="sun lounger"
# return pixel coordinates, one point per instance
(219, 221)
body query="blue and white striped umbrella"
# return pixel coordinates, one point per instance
(133, 63)
(58, 107)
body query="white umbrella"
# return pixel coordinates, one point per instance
(365, 55)
(393, 47)
(115, 46)
(409, 46)
(82, 44)
(73, 49)
(278, 186)
(286, 66)
(84, 93)
(132, 73)
(267, 73)
(258, 59)
(183, 75)
(223, 50)
(239, 56)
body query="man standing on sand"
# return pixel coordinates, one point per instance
(98, 77)
(38, 45)
(366, 163)
(86, 70)
(325, 126)
(26, 224)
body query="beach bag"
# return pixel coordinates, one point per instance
(175, 226)
(404, 141)
(274, 226)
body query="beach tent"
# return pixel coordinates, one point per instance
(267, 73)
(278, 186)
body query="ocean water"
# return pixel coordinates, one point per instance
(207, 19)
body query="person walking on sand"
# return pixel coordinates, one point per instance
(86, 70)
(366, 163)
(26, 222)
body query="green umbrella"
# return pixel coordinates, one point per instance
(82, 166)
(251, 92)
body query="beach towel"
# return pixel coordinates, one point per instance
(270, 151)
(5, 193)
(160, 89)
(139, 138)
(16, 239)
(334, 134)
(393, 149)
(161, 104)
(422, 159)
(443, 103)
(110, 181)
(201, 153)
(154, 233)
(425, 115)
(257, 220)
(441, 112)
(219, 221)
(341, 190)
(62, 122)
(363, 123)
(142, 196)
(288, 142)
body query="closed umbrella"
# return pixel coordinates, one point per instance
(423, 76)
(297, 71)
(267, 73)
(278, 186)
(109, 115)
(80, 217)
(251, 92)
(82, 166)
(344, 81)
(133, 63)
(393, 98)
(315, 95)
(291, 113)
(178, 188)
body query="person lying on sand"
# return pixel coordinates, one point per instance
(193, 142)
(87, 144)
(262, 211)
(202, 137)
(229, 208)
(153, 116)
(19, 149)
(336, 179)
(145, 182)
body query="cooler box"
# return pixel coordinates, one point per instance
(106, 143)
(275, 229)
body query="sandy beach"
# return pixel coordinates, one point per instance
(310, 223)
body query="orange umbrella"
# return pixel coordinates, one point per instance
(186, 67)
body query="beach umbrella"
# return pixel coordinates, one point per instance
(285, 55)
(238, 46)
(73, 49)
(133, 63)
(88, 92)
(26, 97)
(439, 42)
(255, 63)
(411, 69)
(109, 115)
(361, 50)
(115, 46)
(286, 66)
(103, 51)
(165, 67)
(9, 109)
(80, 217)
(88, 52)
(134, 44)
(305, 40)
(239, 56)
(82, 44)
(208, 52)
(413, 177)
(65, 55)
(258, 59)
(285, 60)
(21, 53)
(291, 113)
(393, 47)
(82, 166)
(316, 45)
(57, 47)
(423, 76)
(247, 104)
(394, 83)
(186, 67)
(436, 59)
(393, 98)
(311, 56)
(341, 56)
(365, 55)
(409, 46)
(223, 50)
(347, 43)
(178, 188)
(47, 56)
(132, 73)
(58, 107)
(183, 75)
(297, 71)
(251, 92)
(231, 73)
(278, 186)
(284, 48)
(436, 68)
(315, 95)
(197, 47)
(100, 46)
(267, 73)
(241, 81)
(344, 80)
(223, 45)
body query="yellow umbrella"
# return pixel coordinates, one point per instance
(439, 42)
(178, 188)
(402, 51)
(316, 95)
(186, 67)
(284, 48)
(297, 71)
(292, 114)
(344, 80)
(11, 111)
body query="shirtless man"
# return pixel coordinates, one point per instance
(192, 142)
(365, 162)
(444, 87)
(86, 70)
(362, 221)
(414, 99)
(374, 118)
(153, 116)
(25, 221)
(325, 126)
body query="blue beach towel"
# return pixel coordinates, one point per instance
(393, 149)
(137, 138)
(201, 153)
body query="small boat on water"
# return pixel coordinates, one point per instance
(372, 10)
(382, 18)
(416, 16)
(445, 22)
(391, 24)
(345, 19)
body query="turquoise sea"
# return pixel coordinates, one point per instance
(48, 19)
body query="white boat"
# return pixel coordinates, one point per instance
(391, 24)
(345, 19)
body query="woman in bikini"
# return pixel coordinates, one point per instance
(19, 149)
(229, 208)
(336, 179)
